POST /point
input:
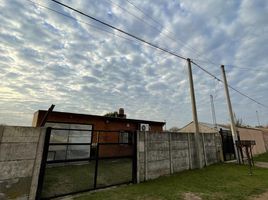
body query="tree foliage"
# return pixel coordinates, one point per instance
(111, 114)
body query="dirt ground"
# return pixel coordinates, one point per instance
(191, 196)
(263, 196)
(262, 164)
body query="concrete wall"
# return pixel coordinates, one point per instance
(20, 158)
(163, 153)
(253, 134)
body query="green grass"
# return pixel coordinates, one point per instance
(73, 178)
(221, 181)
(262, 157)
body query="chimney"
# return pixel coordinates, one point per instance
(121, 113)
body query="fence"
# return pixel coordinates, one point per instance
(75, 160)
(167, 152)
(78, 160)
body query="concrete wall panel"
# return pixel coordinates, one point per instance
(18, 169)
(20, 148)
(165, 153)
(17, 151)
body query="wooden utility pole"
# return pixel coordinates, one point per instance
(195, 119)
(233, 127)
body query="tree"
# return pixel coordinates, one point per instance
(239, 122)
(259, 126)
(111, 114)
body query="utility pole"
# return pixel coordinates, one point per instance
(258, 119)
(195, 119)
(213, 112)
(233, 127)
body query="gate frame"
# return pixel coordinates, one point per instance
(44, 162)
(222, 132)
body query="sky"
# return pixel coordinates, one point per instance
(60, 57)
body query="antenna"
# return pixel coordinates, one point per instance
(213, 112)
(258, 119)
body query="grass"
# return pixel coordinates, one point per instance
(74, 178)
(220, 181)
(261, 157)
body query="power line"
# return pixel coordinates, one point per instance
(75, 19)
(234, 66)
(209, 73)
(247, 68)
(120, 30)
(154, 27)
(167, 31)
(155, 46)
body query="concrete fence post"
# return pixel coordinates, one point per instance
(216, 148)
(170, 153)
(204, 149)
(189, 151)
(1, 132)
(145, 155)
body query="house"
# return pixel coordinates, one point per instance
(245, 133)
(114, 131)
(265, 136)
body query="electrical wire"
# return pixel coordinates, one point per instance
(120, 30)
(75, 19)
(234, 66)
(153, 45)
(167, 31)
(231, 87)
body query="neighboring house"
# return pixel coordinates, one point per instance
(120, 123)
(265, 136)
(203, 128)
(245, 133)
(99, 129)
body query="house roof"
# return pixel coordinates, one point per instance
(103, 117)
(210, 127)
(222, 126)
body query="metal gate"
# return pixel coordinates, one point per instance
(227, 145)
(79, 160)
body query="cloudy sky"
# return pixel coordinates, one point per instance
(81, 66)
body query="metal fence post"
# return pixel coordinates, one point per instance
(134, 157)
(43, 164)
(145, 156)
(96, 163)
(138, 156)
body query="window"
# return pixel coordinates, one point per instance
(125, 137)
